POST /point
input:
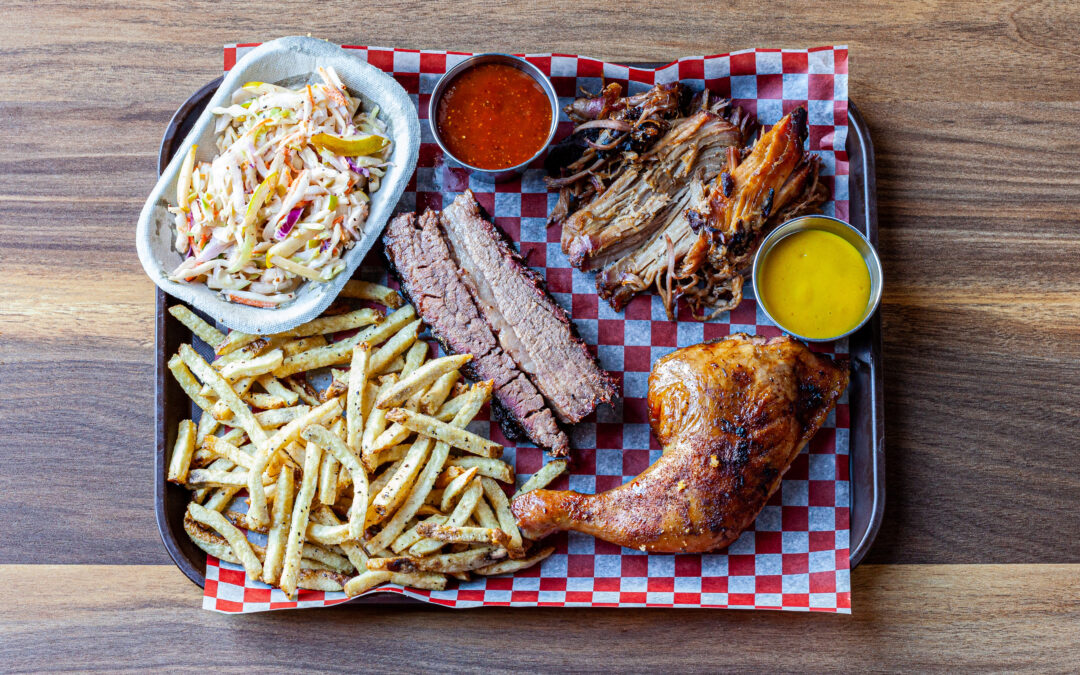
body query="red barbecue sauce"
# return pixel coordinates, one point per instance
(493, 116)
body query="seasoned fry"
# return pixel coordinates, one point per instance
(462, 512)
(293, 347)
(207, 426)
(395, 366)
(447, 476)
(328, 479)
(253, 367)
(217, 478)
(375, 423)
(411, 536)
(270, 447)
(456, 487)
(214, 544)
(543, 477)
(394, 347)
(446, 563)
(271, 419)
(221, 411)
(325, 517)
(464, 535)
(220, 498)
(470, 401)
(394, 435)
(299, 520)
(507, 522)
(414, 358)
(419, 379)
(334, 324)
(395, 490)
(484, 516)
(222, 448)
(329, 441)
(492, 468)
(180, 461)
(188, 383)
(263, 401)
(279, 527)
(237, 541)
(393, 454)
(510, 566)
(243, 415)
(204, 331)
(327, 557)
(424, 482)
(364, 582)
(366, 290)
(354, 397)
(233, 341)
(274, 387)
(303, 390)
(341, 352)
(433, 428)
(437, 394)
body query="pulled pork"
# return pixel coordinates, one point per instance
(686, 214)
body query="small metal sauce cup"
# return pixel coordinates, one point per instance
(493, 175)
(842, 230)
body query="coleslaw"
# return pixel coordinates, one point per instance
(286, 195)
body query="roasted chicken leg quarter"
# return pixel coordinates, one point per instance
(731, 416)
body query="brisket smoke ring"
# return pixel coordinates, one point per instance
(478, 296)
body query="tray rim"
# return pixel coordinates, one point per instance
(870, 336)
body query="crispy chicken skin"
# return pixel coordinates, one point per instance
(731, 416)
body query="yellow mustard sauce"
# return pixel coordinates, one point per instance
(815, 284)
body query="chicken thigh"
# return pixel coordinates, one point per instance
(731, 416)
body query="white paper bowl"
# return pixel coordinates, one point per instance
(288, 61)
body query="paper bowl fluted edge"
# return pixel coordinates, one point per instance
(291, 60)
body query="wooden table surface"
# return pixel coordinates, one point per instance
(973, 109)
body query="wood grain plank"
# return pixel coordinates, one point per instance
(903, 51)
(977, 194)
(906, 617)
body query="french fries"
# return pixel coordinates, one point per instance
(424, 504)
(420, 379)
(299, 520)
(202, 330)
(365, 290)
(354, 398)
(441, 431)
(239, 544)
(544, 476)
(184, 447)
(279, 528)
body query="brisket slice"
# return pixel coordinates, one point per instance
(421, 259)
(532, 328)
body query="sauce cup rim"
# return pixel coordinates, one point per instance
(523, 65)
(869, 255)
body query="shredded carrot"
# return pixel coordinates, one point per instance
(335, 95)
(248, 301)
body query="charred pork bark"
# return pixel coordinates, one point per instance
(649, 193)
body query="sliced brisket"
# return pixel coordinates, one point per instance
(431, 278)
(532, 328)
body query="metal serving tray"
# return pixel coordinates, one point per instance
(867, 441)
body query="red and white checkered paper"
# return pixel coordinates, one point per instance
(795, 556)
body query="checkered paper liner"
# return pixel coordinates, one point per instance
(795, 555)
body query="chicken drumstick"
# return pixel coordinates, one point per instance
(731, 416)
